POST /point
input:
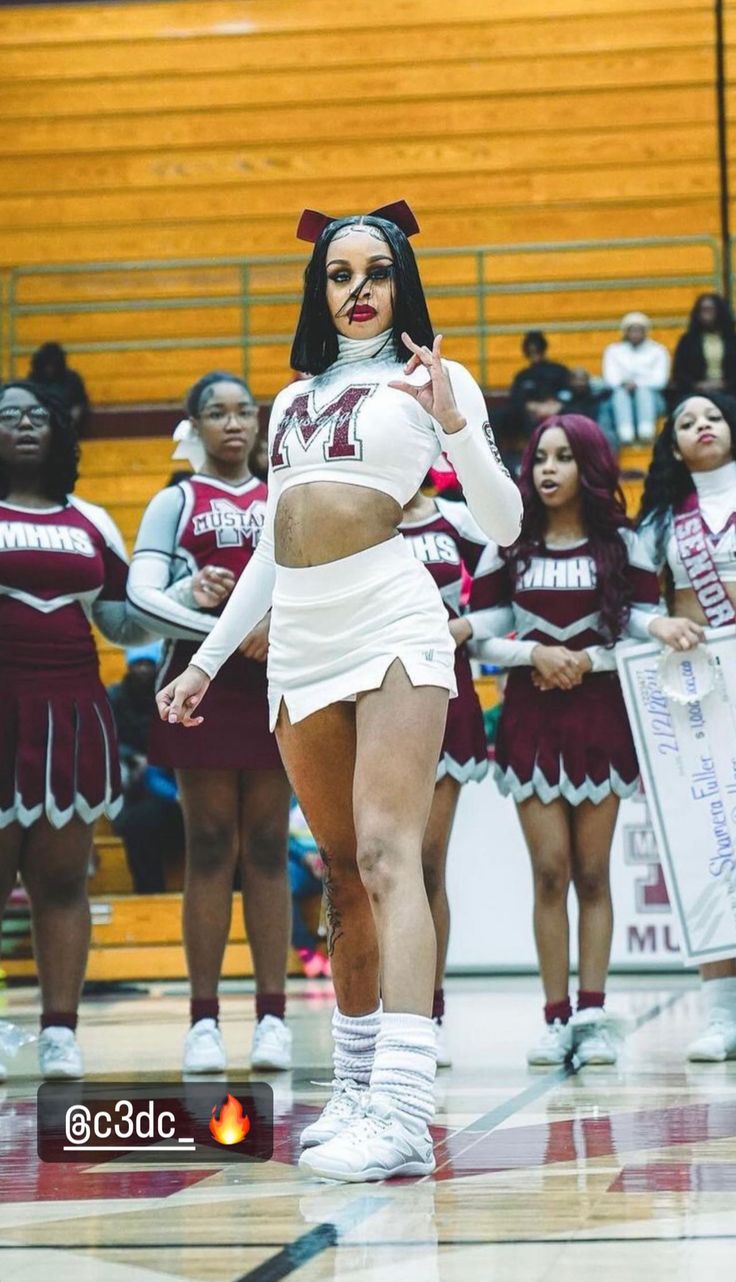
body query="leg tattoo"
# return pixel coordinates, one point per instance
(334, 918)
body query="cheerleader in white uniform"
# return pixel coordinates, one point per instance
(689, 506)
(361, 653)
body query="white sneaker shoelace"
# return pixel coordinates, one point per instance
(346, 1097)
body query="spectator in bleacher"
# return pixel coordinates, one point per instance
(62, 567)
(705, 356)
(535, 392)
(636, 369)
(150, 822)
(49, 369)
(195, 540)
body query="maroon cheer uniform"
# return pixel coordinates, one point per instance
(202, 521)
(444, 543)
(574, 743)
(60, 569)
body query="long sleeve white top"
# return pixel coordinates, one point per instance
(349, 426)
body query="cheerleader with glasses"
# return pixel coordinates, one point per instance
(195, 540)
(688, 522)
(576, 582)
(360, 650)
(62, 567)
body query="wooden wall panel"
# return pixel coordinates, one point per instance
(141, 131)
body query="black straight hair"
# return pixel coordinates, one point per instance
(315, 342)
(61, 468)
(669, 479)
(195, 401)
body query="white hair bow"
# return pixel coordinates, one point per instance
(189, 444)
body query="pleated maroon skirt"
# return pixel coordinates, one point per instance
(58, 748)
(234, 734)
(574, 744)
(464, 753)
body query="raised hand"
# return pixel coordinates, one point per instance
(436, 395)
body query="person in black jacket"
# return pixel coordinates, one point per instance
(705, 357)
(49, 368)
(535, 390)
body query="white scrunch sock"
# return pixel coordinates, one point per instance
(405, 1065)
(721, 994)
(354, 1038)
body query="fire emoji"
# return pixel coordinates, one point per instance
(232, 1125)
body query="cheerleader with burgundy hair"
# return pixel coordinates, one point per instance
(62, 567)
(576, 582)
(688, 523)
(195, 540)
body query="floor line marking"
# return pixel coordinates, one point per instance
(319, 1239)
(387, 1242)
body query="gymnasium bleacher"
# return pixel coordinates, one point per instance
(155, 158)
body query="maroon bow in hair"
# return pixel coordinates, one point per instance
(312, 223)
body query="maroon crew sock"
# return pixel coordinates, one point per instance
(59, 1019)
(270, 1004)
(558, 1010)
(587, 999)
(204, 1008)
(438, 1004)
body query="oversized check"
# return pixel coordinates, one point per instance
(687, 756)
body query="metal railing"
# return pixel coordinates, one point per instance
(246, 285)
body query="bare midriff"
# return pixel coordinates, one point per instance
(687, 606)
(324, 521)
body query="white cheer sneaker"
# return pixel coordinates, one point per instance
(592, 1038)
(271, 1049)
(554, 1046)
(204, 1049)
(59, 1055)
(384, 1143)
(717, 1042)
(346, 1104)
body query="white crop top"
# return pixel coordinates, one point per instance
(717, 502)
(347, 425)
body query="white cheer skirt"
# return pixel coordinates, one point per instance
(337, 628)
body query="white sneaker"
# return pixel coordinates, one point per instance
(204, 1049)
(718, 1041)
(592, 1038)
(59, 1054)
(554, 1046)
(271, 1047)
(444, 1058)
(346, 1104)
(382, 1144)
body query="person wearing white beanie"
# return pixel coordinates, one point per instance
(636, 369)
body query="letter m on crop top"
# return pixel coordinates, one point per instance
(335, 423)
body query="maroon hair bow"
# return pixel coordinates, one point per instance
(312, 223)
